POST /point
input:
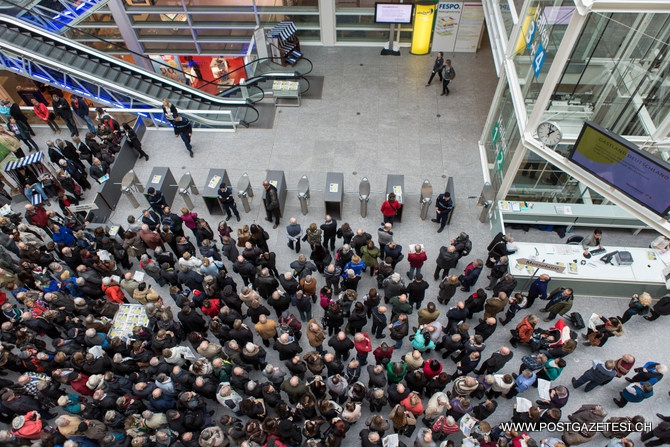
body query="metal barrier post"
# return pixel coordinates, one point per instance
(187, 186)
(426, 198)
(364, 195)
(303, 194)
(130, 183)
(486, 200)
(244, 191)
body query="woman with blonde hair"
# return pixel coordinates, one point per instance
(169, 110)
(638, 305)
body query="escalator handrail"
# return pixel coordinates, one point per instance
(262, 59)
(121, 63)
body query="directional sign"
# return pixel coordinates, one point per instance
(542, 265)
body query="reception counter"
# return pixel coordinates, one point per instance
(592, 276)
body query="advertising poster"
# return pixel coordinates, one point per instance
(446, 25)
(470, 28)
(423, 26)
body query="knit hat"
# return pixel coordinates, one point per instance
(18, 422)
(94, 381)
(63, 401)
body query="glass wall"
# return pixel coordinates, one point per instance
(543, 25)
(355, 22)
(501, 137)
(618, 73)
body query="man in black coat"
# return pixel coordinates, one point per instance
(245, 269)
(271, 201)
(662, 307)
(329, 229)
(62, 109)
(496, 361)
(341, 344)
(287, 347)
(191, 321)
(182, 128)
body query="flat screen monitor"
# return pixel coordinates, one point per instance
(393, 13)
(621, 164)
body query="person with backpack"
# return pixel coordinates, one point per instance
(448, 75)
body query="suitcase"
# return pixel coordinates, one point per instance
(577, 320)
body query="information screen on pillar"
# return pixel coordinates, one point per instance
(620, 163)
(393, 13)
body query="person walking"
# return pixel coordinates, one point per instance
(22, 133)
(182, 128)
(448, 75)
(134, 140)
(227, 201)
(443, 207)
(599, 374)
(271, 203)
(42, 112)
(82, 111)
(62, 109)
(437, 67)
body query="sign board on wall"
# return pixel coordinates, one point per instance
(470, 29)
(446, 25)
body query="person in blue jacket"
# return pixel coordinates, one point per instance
(635, 392)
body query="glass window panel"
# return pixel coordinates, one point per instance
(615, 74)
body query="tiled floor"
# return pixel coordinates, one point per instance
(376, 118)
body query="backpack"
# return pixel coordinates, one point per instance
(291, 322)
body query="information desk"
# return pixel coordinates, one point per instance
(161, 179)
(569, 214)
(594, 277)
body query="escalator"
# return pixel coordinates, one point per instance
(54, 59)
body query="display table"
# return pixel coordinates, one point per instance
(127, 317)
(594, 277)
(286, 93)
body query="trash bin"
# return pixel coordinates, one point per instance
(210, 192)
(277, 179)
(161, 179)
(303, 194)
(395, 183)
(333, 194)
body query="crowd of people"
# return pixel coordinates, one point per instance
(242, 350)
(199, 373)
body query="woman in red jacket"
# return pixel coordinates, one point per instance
(43, 113)
(390, 208)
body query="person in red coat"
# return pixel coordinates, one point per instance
(363, 345)
(390, 208)
(112, 291)
(28, 426)
(431, 369)
(211, 307)
(524, 330)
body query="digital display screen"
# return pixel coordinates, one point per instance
(393, 13)
(620, 163)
